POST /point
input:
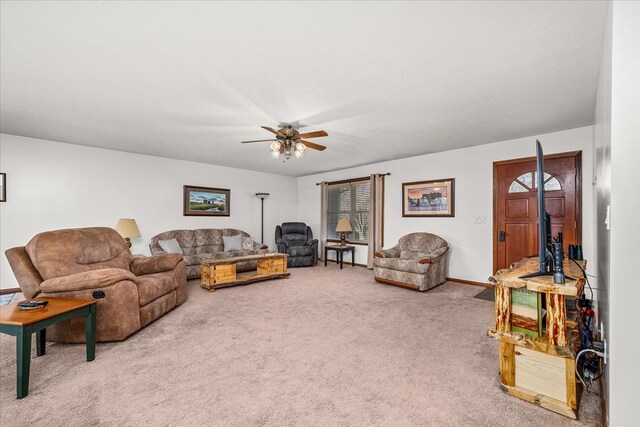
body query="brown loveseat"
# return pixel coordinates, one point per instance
(418, 261)
(207, 243)
(96, 263)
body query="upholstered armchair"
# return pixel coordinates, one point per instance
(296, 240)
(418, 261)
(96, 263)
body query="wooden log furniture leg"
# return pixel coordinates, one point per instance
(507, 363)
(503, 309)
(556, 320)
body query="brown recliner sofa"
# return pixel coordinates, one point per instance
(96, 262)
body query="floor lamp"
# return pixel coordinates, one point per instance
(262, 196)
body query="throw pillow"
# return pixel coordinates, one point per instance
(170, 246)
(247, 243)
(232, 243)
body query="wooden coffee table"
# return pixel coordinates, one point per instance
(23, 323)
(221, 273)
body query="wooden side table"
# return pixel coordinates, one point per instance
(23, 323)
(540, 370)
(340, 250)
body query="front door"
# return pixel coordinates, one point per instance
(516, 205)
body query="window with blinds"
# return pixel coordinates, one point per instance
(350, 201)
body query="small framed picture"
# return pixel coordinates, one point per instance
(3, 187)
(429, 198)
(206, 201)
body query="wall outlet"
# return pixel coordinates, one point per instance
(480, 220)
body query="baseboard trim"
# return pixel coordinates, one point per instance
(329, 261)
(469, 282)
(603, 403)
(10, 291)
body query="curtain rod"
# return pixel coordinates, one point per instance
(355, 180)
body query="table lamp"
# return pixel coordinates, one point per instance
(128, 228)
(343, 227)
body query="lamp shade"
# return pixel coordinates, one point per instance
(343, 226)
(127, 228)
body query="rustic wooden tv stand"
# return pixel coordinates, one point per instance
(539, 370)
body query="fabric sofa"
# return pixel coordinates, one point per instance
(95, 262)
(418, 261)
(296, 240)
(207, 243)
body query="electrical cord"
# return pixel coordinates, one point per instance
(580, 353)
(585, 332)
(584, 274)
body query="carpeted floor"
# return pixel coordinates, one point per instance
(324, 347)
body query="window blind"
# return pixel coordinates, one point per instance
(350, 201)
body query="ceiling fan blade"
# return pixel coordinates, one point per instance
(272, 130)
(314, 146)
(315, 134)
(257, 140)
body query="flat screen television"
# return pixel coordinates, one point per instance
(545, 244)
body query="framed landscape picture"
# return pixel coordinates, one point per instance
(429, 198)
(206, 201)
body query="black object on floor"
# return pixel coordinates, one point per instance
(488, 295)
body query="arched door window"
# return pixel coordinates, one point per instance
(528, 181)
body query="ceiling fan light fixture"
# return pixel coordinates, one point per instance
(289, 141)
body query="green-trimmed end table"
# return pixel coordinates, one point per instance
(23, 323)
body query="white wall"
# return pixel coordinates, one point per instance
(52, 185)
(602, 192)
(624, 230)
(471, 244)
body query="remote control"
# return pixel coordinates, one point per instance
(31, 305)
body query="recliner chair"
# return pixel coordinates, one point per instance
(96, 262)
(296, 240)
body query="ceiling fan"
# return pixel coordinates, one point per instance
(289, 141)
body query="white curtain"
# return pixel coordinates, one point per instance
(324, 202)
(375, 216)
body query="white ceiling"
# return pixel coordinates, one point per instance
(386, 80)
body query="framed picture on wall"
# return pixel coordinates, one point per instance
(429, 198)
(206, 201)
(3, 187)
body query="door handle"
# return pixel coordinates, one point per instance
(501, 236)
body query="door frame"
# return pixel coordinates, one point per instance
(578, 219)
